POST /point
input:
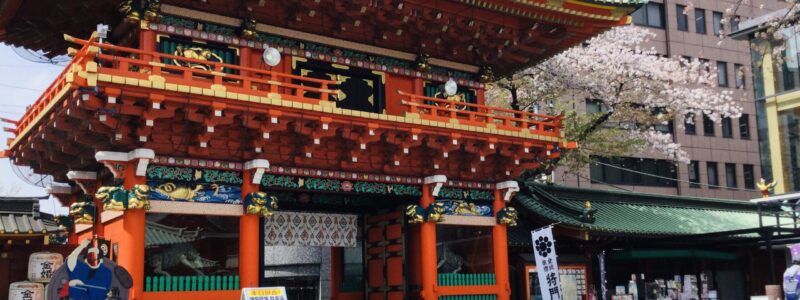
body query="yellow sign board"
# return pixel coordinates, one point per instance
(264, 293)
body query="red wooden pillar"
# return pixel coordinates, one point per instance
(147, 40)
(133, 224)
(249, 229)
(500, 250)
(503, 193)
(427, 235)
(131, 167)
(245, 54)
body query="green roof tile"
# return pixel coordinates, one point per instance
(635, 213)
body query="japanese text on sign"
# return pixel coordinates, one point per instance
(264, 293)
(544, 249)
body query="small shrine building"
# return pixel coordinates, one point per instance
(341, 149)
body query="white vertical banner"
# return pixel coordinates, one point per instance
(544, 249)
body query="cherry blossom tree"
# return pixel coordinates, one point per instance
(636, 90)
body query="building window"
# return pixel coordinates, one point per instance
(722, 73)
(700, 20)
(734, 23)
(683, 19)
(690, 124)
(595, 106)
(631, 171)
(694, 174)
(706, 64)
(730, 175)
(749, 177)
(708, 126)
(651, 15)
(744, 126)
(727, 127)
(464, 250)
(717, 23)
(713, 177)
(738, 75)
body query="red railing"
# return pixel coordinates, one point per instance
(41, 104)
(135, 63)
(138, 64)
(479, 115)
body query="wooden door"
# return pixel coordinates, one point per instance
(385, 256)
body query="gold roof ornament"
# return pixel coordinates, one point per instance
(764, 187)
(486, 74)
(422, 62)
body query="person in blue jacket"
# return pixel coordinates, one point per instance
(88, 278)
(791, 277)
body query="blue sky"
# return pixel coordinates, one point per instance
(21, 83)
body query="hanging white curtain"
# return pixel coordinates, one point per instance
(310, 229)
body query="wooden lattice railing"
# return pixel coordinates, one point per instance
(480, 115)
(446, 279)
(129, 64)
(190, 283)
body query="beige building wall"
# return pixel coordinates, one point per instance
(673, 42)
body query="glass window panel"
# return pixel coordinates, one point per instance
(655, 13)
(708, 126)
(730, 175)
(789, 132)
(713, 177)
(690, 125)
(727, 127)
(700, 20)
(744, 126)
(683, 19)
(191, 245)
(738, 75)
(640, 16)
(694, 174)
(722, 73)
(464, 249)
(749, 176)
(717, 23)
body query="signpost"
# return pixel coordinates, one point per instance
(544, 249)
(264, 293)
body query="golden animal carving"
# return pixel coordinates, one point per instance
(82, 212)
(131, 13)
(466, 209)
(112, 197)
(486, 74)
(415, 214)
(197, 53)
(174, 192)
(138, 197)
(422, 63)
(765, 186)
(249, 29)
(507, 216)
(152, 10)
(436, 212)
(259, 203)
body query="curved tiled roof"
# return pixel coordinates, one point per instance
(618, 2)
(639, 214)
(158, 235)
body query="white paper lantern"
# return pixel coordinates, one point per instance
(25, 290)
(450, 87)
(41, 266)
(271, 56)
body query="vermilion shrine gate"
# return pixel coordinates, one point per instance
(345, 168)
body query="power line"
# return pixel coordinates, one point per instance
(20, 87)
(672, 179)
